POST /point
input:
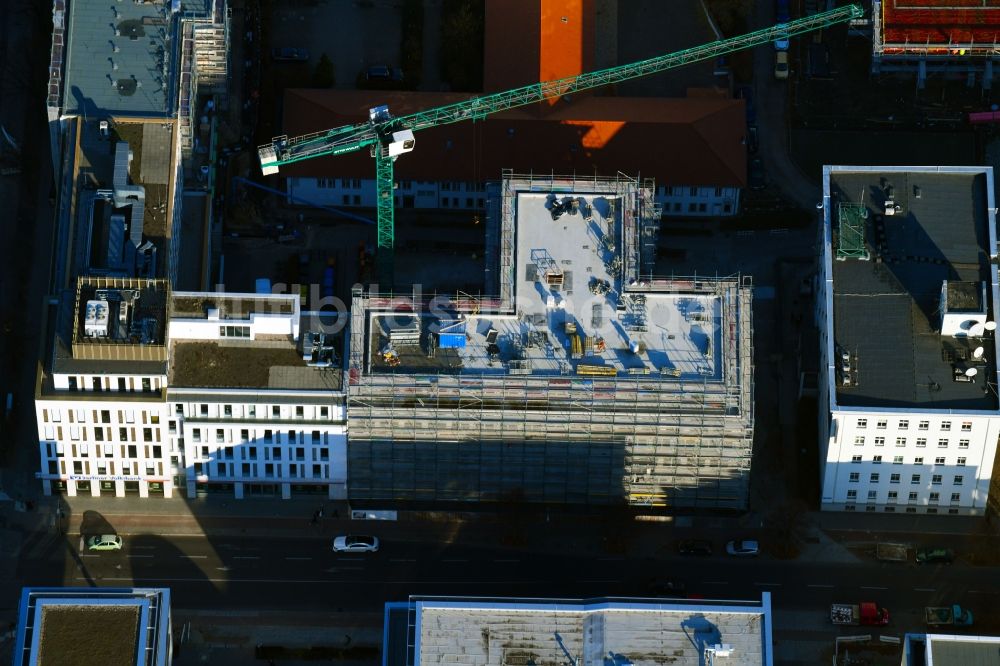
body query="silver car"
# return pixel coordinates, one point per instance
(355, 543)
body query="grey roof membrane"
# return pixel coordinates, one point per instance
(123, 73)
(885, 309)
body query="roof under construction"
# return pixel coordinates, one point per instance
(933, 24)
(583, 358)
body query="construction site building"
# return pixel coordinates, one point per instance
(952, 38)
(586, 379)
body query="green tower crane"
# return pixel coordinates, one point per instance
(387, 136)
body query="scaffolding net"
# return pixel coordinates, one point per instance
(851, 231)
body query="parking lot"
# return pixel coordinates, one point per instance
(353, 34)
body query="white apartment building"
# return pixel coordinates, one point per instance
(906, 307)
(149, 391)
(675, 201)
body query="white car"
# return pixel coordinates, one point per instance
(104, 542)
(743, 547)
(354, 543)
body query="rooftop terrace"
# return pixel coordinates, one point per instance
(888, 345)
(85, 635)
(271, 364)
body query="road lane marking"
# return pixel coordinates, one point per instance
(820, 585)
(246, 557)
(194, 557)
(602, 582)
(135, 555)
(923, 589)
(768, 584)
(981, 592)
(298, 558)
(401, 560)
(716, 582)
(143, 547)
(350, 559)
(872, 587)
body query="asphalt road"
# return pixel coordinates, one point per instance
(304, 574)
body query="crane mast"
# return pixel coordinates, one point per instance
(387, 136)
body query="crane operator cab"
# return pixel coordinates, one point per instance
(398, 142)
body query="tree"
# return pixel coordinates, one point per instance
(323, 76)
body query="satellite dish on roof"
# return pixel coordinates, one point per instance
(971, 372)
(978, 352)
(977, 330)
(990, 326)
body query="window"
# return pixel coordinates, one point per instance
(244, 435)
(936, 479)
(934, 498)
(147, 434)
(958, 480)
(146, 385)
(132, 451)
(945, 426)
(915, 480)
(911, 509)
(897, 460)
(849, 507)
(924, 425)
(345, 199)
(252, 411)
(862, 423)
(939, 461)
(912, 497)
(894, 478)
(219, 436)
(196, 435)
(693, 191)
(227, 410)
(956, 497)
(855, 459)
(880, 441)
(872, 495)
(918, 461)
(881, 425)
(874, 477)
(324, 412)
(859, 440)
(234, 332)
(299, 412)
(903, 425)
(892, 495)
(203, 409)
(728, 208)
(900, 441)
(855, 477)
(921, 442)
(960, 462)
(963, 443)
(966, 426)
(692, 207)
(852, 494)
(276, 411)
(718, 191)
(877, 460)
(942, 443)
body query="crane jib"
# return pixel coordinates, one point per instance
(354, 137)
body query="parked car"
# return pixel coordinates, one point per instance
(104, 542)
(746, 93)
(355, 543)
(781, 13)
(935, 556)
(743, 547)
(695, 547)
(781, 65)
(753, 140)
(378, 73)
(289, 54)
(662, 587)
(781, 44)
(758, 177)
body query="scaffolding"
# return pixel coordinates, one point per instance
(589, 436)
(204, 66)
(851, 219)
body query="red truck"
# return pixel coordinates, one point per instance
(864, 613)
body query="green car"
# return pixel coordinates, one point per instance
(104, 542)
(935, 556)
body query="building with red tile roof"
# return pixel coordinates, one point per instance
(694, 147)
